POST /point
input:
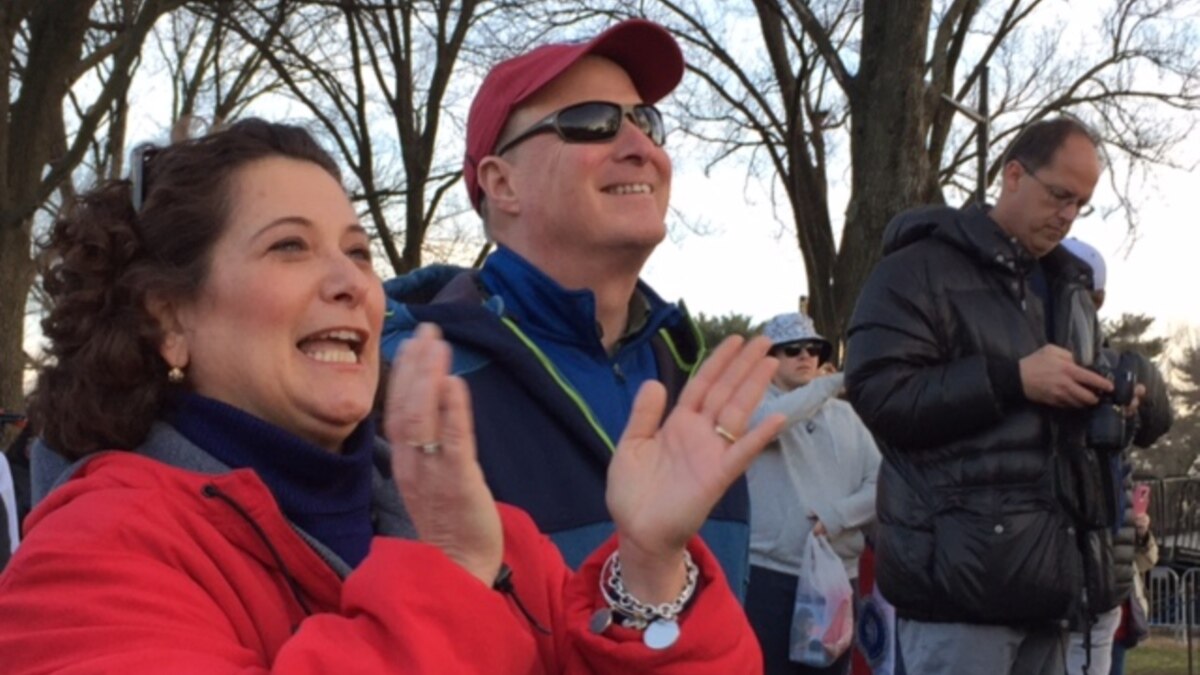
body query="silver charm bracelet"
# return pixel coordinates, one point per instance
(659, 622)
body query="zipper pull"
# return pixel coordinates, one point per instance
(504, 585)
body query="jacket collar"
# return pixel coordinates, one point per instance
(166, 445)
(547, 310)
(973, 231)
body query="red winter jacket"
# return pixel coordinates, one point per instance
(135, 566)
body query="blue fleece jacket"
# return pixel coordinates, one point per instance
(562, 324)
(549, 401)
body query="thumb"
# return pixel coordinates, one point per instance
(647, 412)
(1059, 353)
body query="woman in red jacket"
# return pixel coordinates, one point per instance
(216, 320)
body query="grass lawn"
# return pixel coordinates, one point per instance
(1162, 656)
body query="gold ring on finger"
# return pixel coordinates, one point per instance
(725, 433)
(430, 448)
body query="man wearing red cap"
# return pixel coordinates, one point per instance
(556, 333)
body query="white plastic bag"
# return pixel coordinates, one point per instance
(823, 616)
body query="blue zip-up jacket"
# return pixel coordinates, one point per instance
(546, 424)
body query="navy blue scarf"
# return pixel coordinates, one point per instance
(325, 494)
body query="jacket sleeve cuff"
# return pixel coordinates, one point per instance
(715, 636)
(1005, 375)
(832, 519)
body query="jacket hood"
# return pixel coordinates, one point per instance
(912, 226)
(455, 299)
(166, 447)
(422, 287)
(973, 231)
(969, 229)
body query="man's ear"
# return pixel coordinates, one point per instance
(1011, 175)
(174, 346)
(496, 180)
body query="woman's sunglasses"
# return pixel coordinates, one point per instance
(792, 351)
(595, 122)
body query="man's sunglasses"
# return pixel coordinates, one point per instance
(792, 351)
(595, 122)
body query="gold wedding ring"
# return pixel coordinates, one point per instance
(428, 448)
(724, 433)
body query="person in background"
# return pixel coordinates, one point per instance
(17, 456)
(213, 333)
(1094, 260)
(968, 358)
(1095, 652)
(10, 530)
(1135, 612)
(818, 476)
(556, 333)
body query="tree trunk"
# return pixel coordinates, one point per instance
(34, 164)
(55, 44)
(414, 218)
(887, 138)
(814, 234)
(16, 276)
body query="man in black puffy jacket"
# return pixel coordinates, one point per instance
(968, 357)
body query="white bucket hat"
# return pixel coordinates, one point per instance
(1088, 254)
(793, 327)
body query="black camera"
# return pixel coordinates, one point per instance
(1106, 423)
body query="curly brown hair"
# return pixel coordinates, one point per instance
(106, 381)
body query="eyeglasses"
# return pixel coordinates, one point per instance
(792, 351)
(1062, 196)
(595, 122)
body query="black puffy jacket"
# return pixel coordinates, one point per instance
(990, 508)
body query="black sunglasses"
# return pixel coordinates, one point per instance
(792, 351)
(595, 122)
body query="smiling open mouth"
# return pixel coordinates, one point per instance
(630, 189)
(334, 346)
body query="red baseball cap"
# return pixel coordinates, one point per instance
(643, 49)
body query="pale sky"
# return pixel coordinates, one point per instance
(751, 265)
(748, 261)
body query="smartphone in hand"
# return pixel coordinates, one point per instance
(1141, 498)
